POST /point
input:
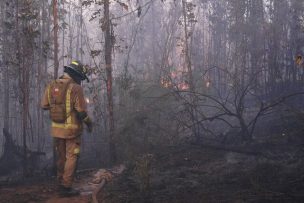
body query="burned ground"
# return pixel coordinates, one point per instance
(194, 174)
(189, 173)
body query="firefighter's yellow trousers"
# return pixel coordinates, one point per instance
(67, 152)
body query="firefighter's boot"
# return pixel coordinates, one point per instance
(68, 191)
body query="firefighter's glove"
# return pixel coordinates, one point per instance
(89, 124)
(83, 116)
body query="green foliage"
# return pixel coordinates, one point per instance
(144, 118)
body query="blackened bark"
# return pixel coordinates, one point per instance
(108, 61)
(5, 54)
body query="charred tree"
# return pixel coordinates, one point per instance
(108, 36)
(9, 161)
(7, 38)
(13, 155)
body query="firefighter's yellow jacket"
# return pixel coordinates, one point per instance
(75, 102)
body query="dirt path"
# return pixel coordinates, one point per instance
(79, 199)
(89, 183)
(37, 192)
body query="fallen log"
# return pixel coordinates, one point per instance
(100, 178)
(97, 189)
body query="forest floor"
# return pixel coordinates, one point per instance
(192, 174)
(189, 174)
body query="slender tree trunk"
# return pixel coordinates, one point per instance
(55, 16)
(42, 70)
(108, 61)
(63, 34)
(38, 80)
(6, 69)
(79, 24)
(77, 40)
(187, 52)
(71, 30)
(25, 110)
(22, 53)
(81, 31)
(56, 61)
(188, 64)
(48, 31)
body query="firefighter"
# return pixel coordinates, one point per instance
(65, 101)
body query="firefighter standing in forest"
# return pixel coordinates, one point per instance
(65, 101)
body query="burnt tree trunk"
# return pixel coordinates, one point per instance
(56, 61)
(13, 155)
(8, 160)
(108, 61)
